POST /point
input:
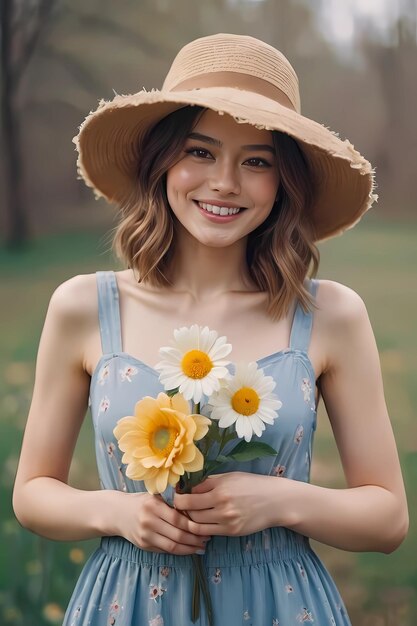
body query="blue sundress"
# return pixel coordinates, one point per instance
(268, 578)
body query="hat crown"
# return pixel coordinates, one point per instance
(236, 54)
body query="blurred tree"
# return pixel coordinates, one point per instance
(393, 62)
(21, 26)
(23, 29)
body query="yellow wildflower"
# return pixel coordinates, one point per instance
(76, 555)
(52, 612)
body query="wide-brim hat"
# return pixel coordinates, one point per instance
(255, 84)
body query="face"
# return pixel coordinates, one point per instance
(225, 182)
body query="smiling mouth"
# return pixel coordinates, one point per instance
(222, 211)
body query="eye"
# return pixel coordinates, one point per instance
(200, 153)
(257, 162)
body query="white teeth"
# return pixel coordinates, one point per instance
(218, 210)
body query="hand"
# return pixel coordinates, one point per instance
(233, 504)
(149, 523)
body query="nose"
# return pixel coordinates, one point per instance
(225, 178)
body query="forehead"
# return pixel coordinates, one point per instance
(224, 127)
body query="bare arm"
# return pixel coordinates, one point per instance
(42, 500)
(371, 513)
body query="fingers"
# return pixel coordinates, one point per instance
(163, 537)
(193, 502)
(181, 521)
(163, 529)
(208, 484)
(175, 539)
(208, 516)
(163, 544)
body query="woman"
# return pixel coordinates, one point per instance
(224, 188)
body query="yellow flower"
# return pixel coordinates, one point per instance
(76, 555)
(158, 441)
(52, 612)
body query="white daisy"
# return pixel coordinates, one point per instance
(194, 363)
(246, 400)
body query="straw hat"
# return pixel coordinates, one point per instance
(249, 80)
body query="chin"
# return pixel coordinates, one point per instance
(216, 242)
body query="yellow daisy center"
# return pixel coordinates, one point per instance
(245, 401)
(162, 440)
(196, 364)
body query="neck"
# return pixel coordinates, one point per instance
(206, 272)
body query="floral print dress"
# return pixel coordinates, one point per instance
(269, 578)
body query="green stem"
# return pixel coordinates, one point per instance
(200, 582)
(222, 442)
(226, 437)
(195, 609)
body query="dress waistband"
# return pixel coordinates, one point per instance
(293, 546)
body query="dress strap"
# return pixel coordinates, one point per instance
(109, 312)
(302, 322)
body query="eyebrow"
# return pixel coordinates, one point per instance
(216, 142)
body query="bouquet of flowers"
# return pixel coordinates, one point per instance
(159, 441)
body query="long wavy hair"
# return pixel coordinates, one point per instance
(280, 253)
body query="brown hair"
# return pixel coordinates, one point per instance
(279, 252)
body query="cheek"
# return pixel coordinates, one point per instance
(180, 177)
(266, 191)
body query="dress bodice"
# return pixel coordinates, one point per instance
(120, 380)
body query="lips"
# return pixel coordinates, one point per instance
(219, 208)
(213, 217)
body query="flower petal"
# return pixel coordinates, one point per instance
(171, 354)
(124, 425)
(219, 372)
(162, 480)
(228, 418)
(179, 403)
(196, 464)
(187, 388)
(203, 424)
(220, 351)
(257, 425)
(198, 391)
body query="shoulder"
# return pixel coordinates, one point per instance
(71, 321)
(75, 300)
(341, 322)
(338, 305)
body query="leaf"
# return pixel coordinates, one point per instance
(172, 392)
(214, 433)
(221, 458)
(248, 451)
(210, 466)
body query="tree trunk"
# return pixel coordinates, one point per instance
(17, 227)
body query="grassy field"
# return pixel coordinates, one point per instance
(377, 259)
